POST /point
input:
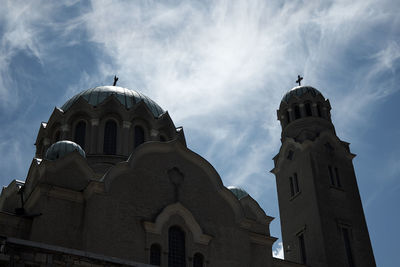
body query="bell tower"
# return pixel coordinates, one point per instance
(322, 218)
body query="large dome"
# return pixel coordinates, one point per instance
(299, 91)
(127, 97)
(62, 148)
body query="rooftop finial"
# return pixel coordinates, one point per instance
(299, 78)
(115, 80)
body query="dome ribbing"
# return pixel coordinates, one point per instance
(299, 91)
(126, 97)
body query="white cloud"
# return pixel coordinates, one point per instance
(278, 251)
(220, 67)
(17, 34)
(220, 63)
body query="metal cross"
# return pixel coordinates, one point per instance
(115, 80)
(299, 78)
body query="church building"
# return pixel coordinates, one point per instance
(113, 183)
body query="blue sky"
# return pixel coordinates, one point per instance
(220, 68)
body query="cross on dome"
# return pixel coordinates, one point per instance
(115, 80)
(299, 78)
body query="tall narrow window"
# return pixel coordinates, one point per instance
(331, 175)
(57, 136)
(198, 260)
(80, 134)
(176, 249)
(319, 114)
(291, 186)
(110, 138)
(347, 247)
(290, 155)
(308, 109)
(302, 246)
(296, 183)
(287, 116)
(139, 136)
(337, 178)
(155, 254)
(297, 114)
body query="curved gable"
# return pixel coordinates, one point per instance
(182, 156)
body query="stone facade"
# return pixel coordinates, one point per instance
(130, 193)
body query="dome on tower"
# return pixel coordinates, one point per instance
(126, 97)
(62, 148)
(299, 91)
(238, 192)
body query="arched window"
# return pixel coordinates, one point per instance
(297, 112)
(155, 254)
(287, 116)
(319, 114)
(110, 138)
(198, 260)
(57, 136)
(139, 136)
(176, 249)
(80, 133)
(308, 109)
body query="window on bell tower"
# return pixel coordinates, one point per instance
(319, 113)
(297, 113)
(334, 176)
(294, 185)
(302, 248)
(347, 246)
(308, 109)
(337, 177)
(287, 116)
(291, 186)
(331, 175)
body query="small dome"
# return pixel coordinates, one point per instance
(299, 91)
(127, 97)
(62, 148)
(238, 192)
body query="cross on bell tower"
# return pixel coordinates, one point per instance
(115, 80)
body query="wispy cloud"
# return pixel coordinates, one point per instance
(219, 67)
(212, 64)
(32, 34)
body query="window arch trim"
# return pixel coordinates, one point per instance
(190, 222)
